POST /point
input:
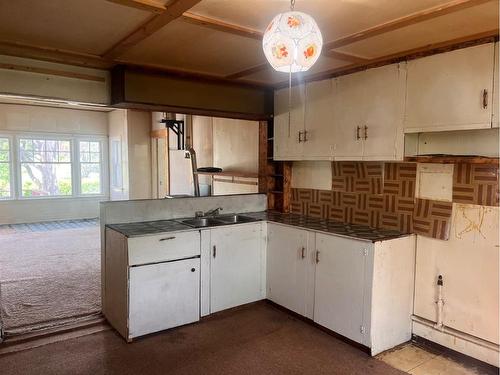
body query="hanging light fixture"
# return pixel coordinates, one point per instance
(292, 42)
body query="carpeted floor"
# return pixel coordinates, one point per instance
(257, 339)
(48, 277)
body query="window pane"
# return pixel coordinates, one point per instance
(84, 146)
(91, 178)
(94, 157)
(45, 179)
(4, 180)
(94, 147)
(4, 144)
(4, 156)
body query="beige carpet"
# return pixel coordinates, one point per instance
(48, 278)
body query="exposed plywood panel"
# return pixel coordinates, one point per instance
(197, 48)
(467, 22)
(90, 26)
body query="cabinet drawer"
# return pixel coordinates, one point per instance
(163, 247)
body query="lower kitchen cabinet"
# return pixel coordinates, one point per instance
(236, 265)
(163, 296)
(358, 289)
(152, 282)
(340, 285)
(289, 268)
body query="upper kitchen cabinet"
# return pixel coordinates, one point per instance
(368, 114)
(451, 91)
(318, 127)
(289, 112)
(383, 112)
(496, 98)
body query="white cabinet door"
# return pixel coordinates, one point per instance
(163, 296)
(445, 91)
(235, 266)
(340, 285)
(286, 135)
(319, 137)
(496, 86)
(383, 112)
(348, 117)
(287, 266)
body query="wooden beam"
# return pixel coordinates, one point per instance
(437, 11)
(344, 56)
(410, 54)
(423, 15)
(149, 5)
(52, 72)
(53, 55)
(222, 26)
(172, 12)
(249, 71)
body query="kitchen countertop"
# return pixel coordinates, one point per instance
(360, 232)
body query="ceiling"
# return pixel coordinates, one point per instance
(222, 38)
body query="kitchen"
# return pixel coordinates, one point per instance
(359, 234)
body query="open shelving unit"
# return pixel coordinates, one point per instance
(274, 176)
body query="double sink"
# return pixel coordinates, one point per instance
(203, 222)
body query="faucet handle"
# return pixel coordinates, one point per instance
(198, 214)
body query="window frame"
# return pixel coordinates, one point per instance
(16, 171)
(101, 165)
(11, 164)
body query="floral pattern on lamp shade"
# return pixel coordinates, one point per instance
(292, 42)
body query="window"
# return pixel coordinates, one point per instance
(90, 167)
(45, 167)
(5, 176)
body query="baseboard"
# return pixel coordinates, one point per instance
(469, 349)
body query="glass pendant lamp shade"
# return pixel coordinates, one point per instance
(292, 42)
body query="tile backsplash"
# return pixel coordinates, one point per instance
(382, 195)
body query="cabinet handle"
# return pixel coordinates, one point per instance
(214, 252)
(485, 99)
(358, 137)
(303, 252)
(166, 239)
(300, 137)
(366, 132)
(317, 256)
(305, 135)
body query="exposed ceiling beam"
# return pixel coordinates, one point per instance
(334, 54)
(155, 23)
(423, 15)
(53, 55)
(249, 71)
(410, 54)
(328, 48)
(344, 56)
(222, 26)
(149, 5)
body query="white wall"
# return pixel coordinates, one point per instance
(52, 86)
(139, 154)
(235, 148)
(117, 129)
(312, 175)
(16, 118)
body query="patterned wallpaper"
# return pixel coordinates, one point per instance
(382, 195)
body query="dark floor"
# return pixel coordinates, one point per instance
(257, 339)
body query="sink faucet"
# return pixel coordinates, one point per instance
(213, 212)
